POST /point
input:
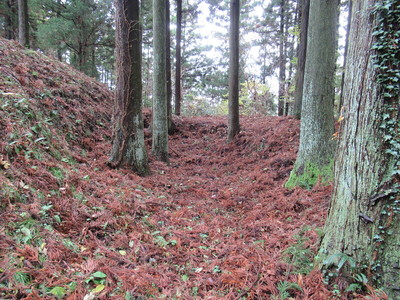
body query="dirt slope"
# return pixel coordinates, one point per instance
(215, 223)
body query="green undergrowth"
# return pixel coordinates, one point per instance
(308, 175)
(300, 254)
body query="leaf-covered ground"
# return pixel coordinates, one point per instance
(216, 223)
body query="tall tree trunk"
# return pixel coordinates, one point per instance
(23, 23)
(234, 126)
(168, 67)
(282, 61)
(350, 5)
(363, 225)
(10, 25)
(128, 147)
(160, 113)
(301, 58)
(315, 156)
(178, 76)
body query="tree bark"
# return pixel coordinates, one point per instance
(234, 126)
(350, 5)
(23, 23)
(178, 76)
(315, 156)
(363, 221)
(128, 149)
(171, 125)
(301, 58)
(10, 26)
(160, 113)
(282, 61)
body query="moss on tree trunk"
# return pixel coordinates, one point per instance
(314, 159)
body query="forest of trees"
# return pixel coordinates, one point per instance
(82, 33)
(160, 49)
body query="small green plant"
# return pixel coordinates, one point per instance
(299, 255)
(284, 289)
(339, 260)
(99, 279)
(58, 291)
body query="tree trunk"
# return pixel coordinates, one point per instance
(282, 61)
(350, 5)
(160, 114)
(23, 23)
(10, 20)
(315, 157)
(171, 126)
(128, 147)
(234, 126)
(301, 58)
(178, 92)
(363, 224)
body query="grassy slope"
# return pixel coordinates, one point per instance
(214, 224)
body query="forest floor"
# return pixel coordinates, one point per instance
(214, 223)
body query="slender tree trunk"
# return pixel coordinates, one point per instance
(350, 5)
(178, 76)
(128, 149)
(168, 68)
(301, 61)
(234, 126)
(315, 157)
(363, 224)
(160, 113)
(23, 23)
(282, 61)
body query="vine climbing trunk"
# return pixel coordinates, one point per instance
(128, 148)
(363, 225)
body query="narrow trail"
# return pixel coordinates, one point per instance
(225, 208)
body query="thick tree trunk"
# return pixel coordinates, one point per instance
(128, 147)
(282, 61)
(23, 23)
(315, 156)
(160, 113)
(301, 58)
(178, 92)
(234, 126)
(363, 221)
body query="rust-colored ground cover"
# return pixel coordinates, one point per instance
(215, 223)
